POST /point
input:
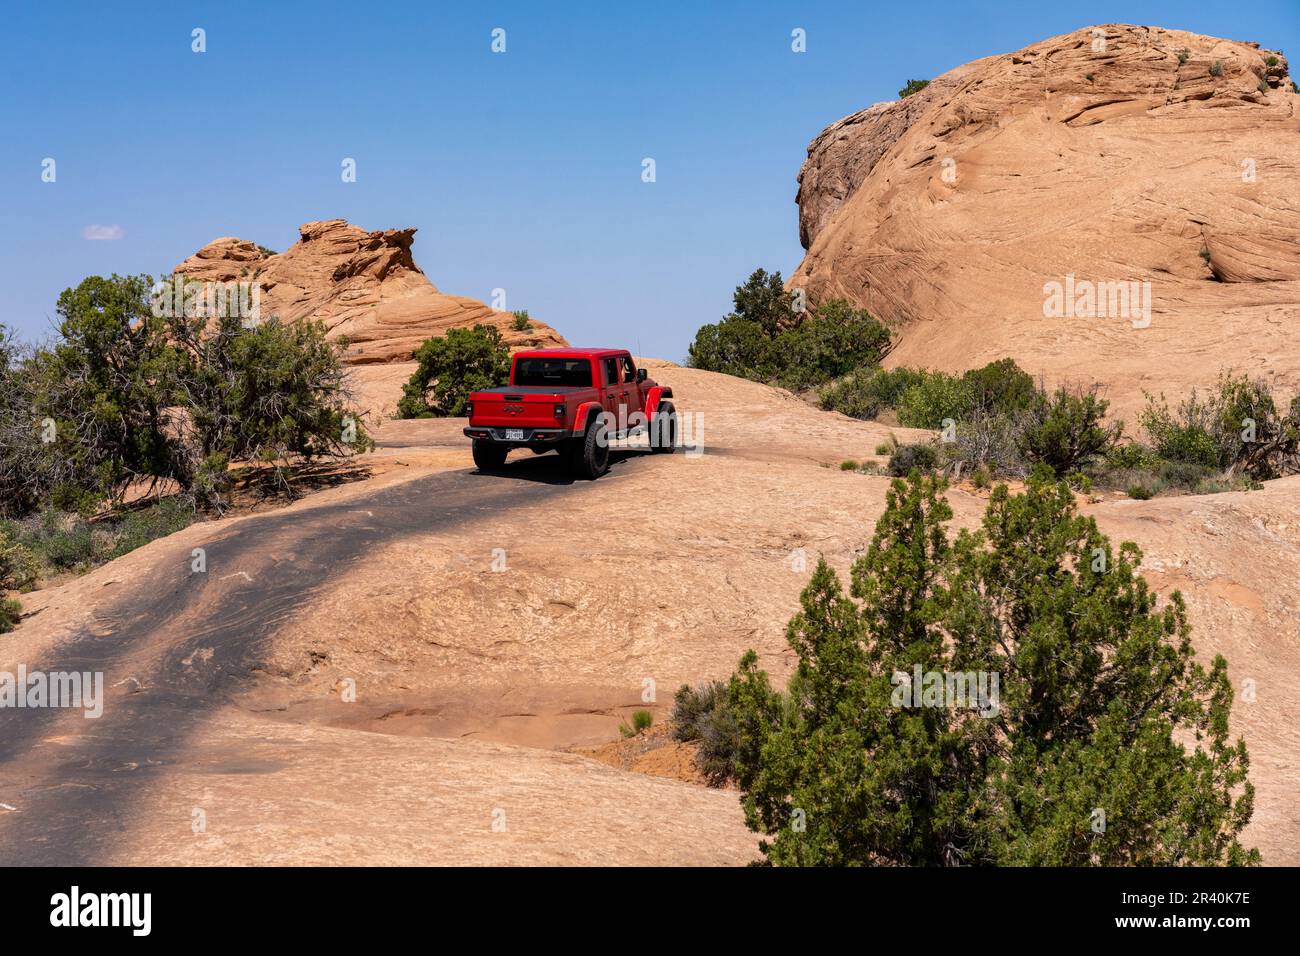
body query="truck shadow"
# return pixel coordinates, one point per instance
(552, 469)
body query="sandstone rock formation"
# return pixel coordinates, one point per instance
(1111, 154)
(363, 285)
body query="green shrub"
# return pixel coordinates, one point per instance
(1212, 432)
(988, 441)
(641, 721)
(267, 395)
(833, 341)
(701, 715)
(849, 465)
(55, 541)
(765, 340)
(913, 86)
(867, 392)
(1101, 698)
(924, 398)
(1001, 387)
(1216, 68)
(909, 457)
(133, 396)
(733, 346)
(1140, 492)
(10, 613)
(521, 323)
(1183, 56)
(452, 366)
(1129, 455)
(932, 398)
(1270, 60)
(1066, 432)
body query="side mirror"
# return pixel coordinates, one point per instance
(640, 375)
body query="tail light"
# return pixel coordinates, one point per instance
(469, 409)
(559, 410)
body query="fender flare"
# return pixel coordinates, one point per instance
(653, 398)
(586, 412)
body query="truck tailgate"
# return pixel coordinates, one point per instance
(518, 408)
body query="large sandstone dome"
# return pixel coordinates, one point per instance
(1111, 154)
(363, 285)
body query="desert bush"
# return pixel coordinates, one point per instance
(268, 395)
(521, 322)
(701, 715)
(53, 541)
(1216, 68)
(10, 613)
(832, 341)
(1001, 387)
(924, 398)
(1235, 423)
(909, 457)
(990, 441)
(1067, 432)
(19, 568)
(912, 86)
(125, 396)
(1100, 700)
(766, 340)
(933, 397)
(108, 385)
(641, 721)
(866, 392)
(452, 366)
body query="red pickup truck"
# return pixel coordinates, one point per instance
(574, 401)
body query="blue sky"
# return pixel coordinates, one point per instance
(521, 170)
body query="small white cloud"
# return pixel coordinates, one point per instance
(102, 232)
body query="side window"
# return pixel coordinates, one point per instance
(629, 370)
(611, 371)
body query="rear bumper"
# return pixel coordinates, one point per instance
(531, 436)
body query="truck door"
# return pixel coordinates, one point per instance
(611, 393)
(632, 393)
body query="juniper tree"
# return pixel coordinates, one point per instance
(450, 368)
(1107, 744)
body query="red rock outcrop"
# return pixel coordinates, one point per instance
(363, 285)
(1111, 154)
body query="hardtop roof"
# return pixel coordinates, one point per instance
(572, 353)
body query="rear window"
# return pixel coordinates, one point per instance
(553, 371)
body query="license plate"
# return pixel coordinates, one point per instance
(514, 434)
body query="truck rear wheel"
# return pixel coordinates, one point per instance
(489, 456)
(590, 453)
(663, 430)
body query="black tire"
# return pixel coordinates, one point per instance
(589, 455)
(489, 456)
(663, 439)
